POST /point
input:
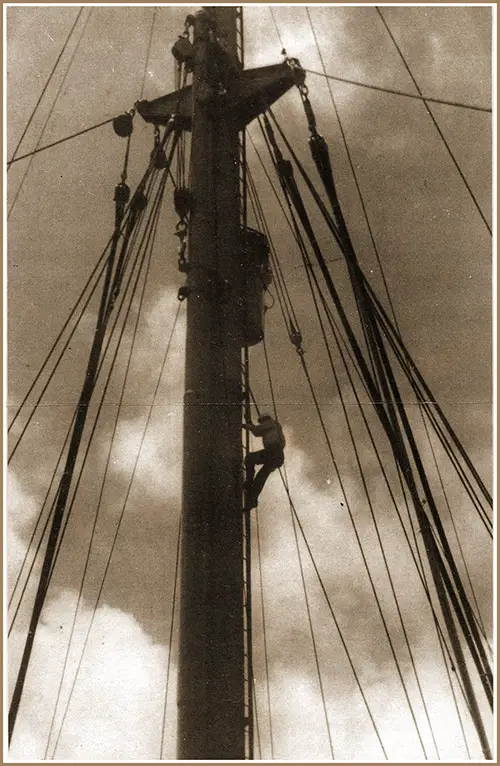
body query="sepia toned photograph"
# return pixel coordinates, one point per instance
(249, 388)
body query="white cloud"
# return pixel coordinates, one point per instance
(116, 708)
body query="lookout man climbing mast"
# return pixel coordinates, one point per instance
(270, 458)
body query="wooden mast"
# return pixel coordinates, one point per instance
(222, 100)
(211, 669)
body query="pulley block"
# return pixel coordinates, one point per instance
(123, 125)
(159, 158)
(183, 50)
(182, 201)
(122, 193)
(139, 201)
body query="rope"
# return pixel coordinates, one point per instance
(264, 634)
(277, 29)
(429, 396)
(99, 501)
(154, 217)
(146, 238)
(399, 92)
(390, 422)
(57, 464)
(44, 89)
(259, 746)
(371, 509)
(354, 174)
(418, 564)
(455, 530)
(61, 84)
(304, 589)
(148, 52)
(62, 494)
(171, 631)
(61, 141)
(101, 263)
(434, 120)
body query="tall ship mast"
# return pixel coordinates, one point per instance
(404, 489)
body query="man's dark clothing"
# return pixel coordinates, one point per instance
(270, 458)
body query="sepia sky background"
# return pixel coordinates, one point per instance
(436, 254)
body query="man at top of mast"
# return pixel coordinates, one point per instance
(270, 457)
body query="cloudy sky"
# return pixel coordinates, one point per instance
(105, 697)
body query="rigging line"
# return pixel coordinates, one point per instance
(330, 609)
(434, 120)
(415, 554)
(48, 491)
(395, 436)
(61, 141)
(60, 87)
(370, 505)
(462, 555)
(366, 565)
(141, 262)
(47, 383)
(430, 396)
(9, 163)
(476, 502)
(291, 313)
(277, 29)
(377, 600)
(148, 52)
(436, 622)
(102, 264)
(260, 221)
(126, 252)
(285, 171)
(306, 598)
(99, 501)
(399, 92)
(37, 523)
(172, 619)
(94, 426)
(278, 199)
(371, 382)
(438, 428)
(115, 537)
(425, 406)
(354, 174)
(454, 583)
(371, 235)
(346, 415)
(422, 574)
(96, 517)
(62, 495)
(62, 498)
(287, 192)
(46, 497)
(455, 700)
(264, 635)
(294, 233)
(254, 692)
